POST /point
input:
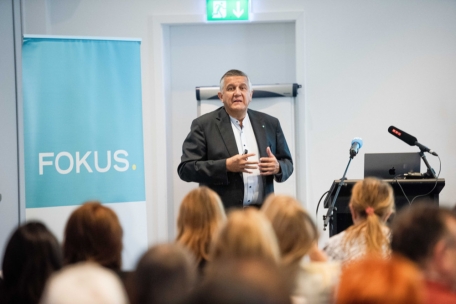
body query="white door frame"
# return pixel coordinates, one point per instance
(161, 188)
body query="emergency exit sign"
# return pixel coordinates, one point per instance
(227, 10)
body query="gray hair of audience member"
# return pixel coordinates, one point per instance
(246, 234)
(85, 282)
(249, 281)
(417, 229)
(165, 274)
(295, 229)
(232, 73)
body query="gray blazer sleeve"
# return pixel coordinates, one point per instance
(197, 163)
(283, 156)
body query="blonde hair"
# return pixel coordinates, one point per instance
(200, 216)
(295, 230)
(372, 200)
(246, 234)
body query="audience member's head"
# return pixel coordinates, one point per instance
(201, 214)
(250, 281)
(93, 233)
(31, 256)
(295, 230)
(426, 234)
(371, 203)
(165, 274)
(246, 234)
(373, 280)
(85, 282)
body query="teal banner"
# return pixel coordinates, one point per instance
(83, 136)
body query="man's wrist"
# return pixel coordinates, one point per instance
(280, 170)
(228, 164)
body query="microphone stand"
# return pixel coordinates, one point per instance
(332, 208)
(430, 172)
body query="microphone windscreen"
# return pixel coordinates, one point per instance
(404, 136)
(358, 140)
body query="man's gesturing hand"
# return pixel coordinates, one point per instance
(269, 165)
(240, 163)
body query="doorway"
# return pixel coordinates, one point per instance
(198, 54)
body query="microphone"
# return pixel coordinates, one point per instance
(356, 144)
(409, 139)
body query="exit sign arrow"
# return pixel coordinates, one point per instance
(238, 12)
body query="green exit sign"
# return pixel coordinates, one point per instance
(227, 10)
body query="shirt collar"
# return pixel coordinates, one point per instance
(237, 124)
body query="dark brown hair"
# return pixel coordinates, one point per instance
(417, 229)
(165, 274)
(93, 233)
(31, 256)
(250, 280)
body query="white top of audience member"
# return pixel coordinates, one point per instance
(86, 283)
(315, 282)
(338, 251)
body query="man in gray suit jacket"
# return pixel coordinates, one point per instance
(235, 151)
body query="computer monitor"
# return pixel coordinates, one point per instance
(389, 165)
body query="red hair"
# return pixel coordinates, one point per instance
(377, 280)
(93, 233)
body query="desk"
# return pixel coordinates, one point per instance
(341, 218)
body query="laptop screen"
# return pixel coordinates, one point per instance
(389, 165)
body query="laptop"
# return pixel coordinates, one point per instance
(389, 165)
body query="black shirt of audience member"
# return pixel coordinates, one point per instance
(2, 291)
(31, 256)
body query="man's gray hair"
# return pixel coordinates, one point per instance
(234, 73)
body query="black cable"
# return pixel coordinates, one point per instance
(435, 185)
(436, 180)
(316, 212)
(318, 205)
(399, 184)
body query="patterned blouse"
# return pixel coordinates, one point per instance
(336, 250)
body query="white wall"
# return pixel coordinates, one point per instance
(212, 50)
(368, 65)
(372, 64)
(10, 36)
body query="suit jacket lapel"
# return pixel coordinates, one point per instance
(258, 126)
(224, 126)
